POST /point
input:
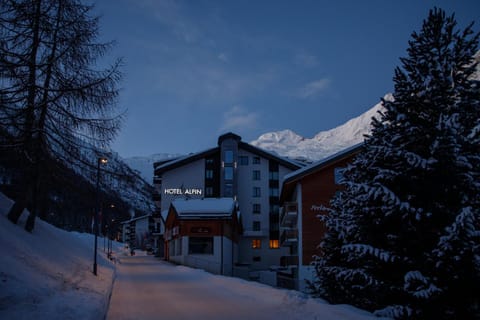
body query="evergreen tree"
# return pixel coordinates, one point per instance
(403, 237)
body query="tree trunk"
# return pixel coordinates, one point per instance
(17, 209)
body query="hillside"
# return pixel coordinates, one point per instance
(47, 274)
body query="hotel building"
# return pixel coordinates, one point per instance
(239, 171)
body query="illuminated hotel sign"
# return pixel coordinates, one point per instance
(181, 192)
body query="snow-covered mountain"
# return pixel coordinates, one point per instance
(144, 165)
(289, 144)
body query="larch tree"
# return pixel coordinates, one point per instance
(404, 236)
(57, 106)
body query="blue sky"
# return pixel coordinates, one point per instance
(196, 69)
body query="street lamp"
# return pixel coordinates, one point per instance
(100, 160)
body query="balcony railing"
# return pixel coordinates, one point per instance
(289, 214)
(289, 237)
(256, 233)
(288, 261)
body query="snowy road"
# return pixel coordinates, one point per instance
(148, 288)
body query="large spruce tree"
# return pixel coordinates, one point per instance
(404, 236)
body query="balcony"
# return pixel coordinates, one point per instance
(289, 261)
(289, 237)
(256, 233)
(289, 214)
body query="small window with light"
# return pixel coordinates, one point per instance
(256, 244)
(274, 244)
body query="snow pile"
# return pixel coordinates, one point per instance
(48, 274)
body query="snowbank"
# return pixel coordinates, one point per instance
(48, 274)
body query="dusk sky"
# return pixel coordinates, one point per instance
(197, 69)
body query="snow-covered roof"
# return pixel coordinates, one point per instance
(321, 163)
(183, 160)
(164, 214)
(137, 218)
(207, 207)
(165, 166)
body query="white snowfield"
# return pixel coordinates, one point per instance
(48, 275)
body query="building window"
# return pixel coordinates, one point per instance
(256, 174)
(228, 156)
(256, 244)
(273, 175)
(273, 192)
(209, 191)
(209, 161)
(228, 173)
(274, 244)
(243, 160)
(256, 160)
(257, 259)
(339, 175)
(228, 190)
(256, 208)
(256, 192)
(209, 174)
(200, 245)
(256, 225)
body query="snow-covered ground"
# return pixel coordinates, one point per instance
(148, 288)
(48, 275)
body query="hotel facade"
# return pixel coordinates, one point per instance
(233, 169)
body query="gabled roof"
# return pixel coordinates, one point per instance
(293, 165)
(176, 163)
(204, 208)
(165, 166)
(137, 218)
(295, 176)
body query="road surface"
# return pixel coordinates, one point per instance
(149, 288)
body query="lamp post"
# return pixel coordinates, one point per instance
(100, 160)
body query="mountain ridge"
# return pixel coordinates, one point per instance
(287, 143)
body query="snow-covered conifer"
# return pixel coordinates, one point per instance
(404, 236)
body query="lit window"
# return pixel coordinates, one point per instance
(209, 174)
(273, 175)
(256, 160)
(256, 174)
(228, 156)
(228, 173)
(273, 192)
(274, 244)
(256, 244)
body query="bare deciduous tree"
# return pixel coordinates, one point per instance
(56, 104)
